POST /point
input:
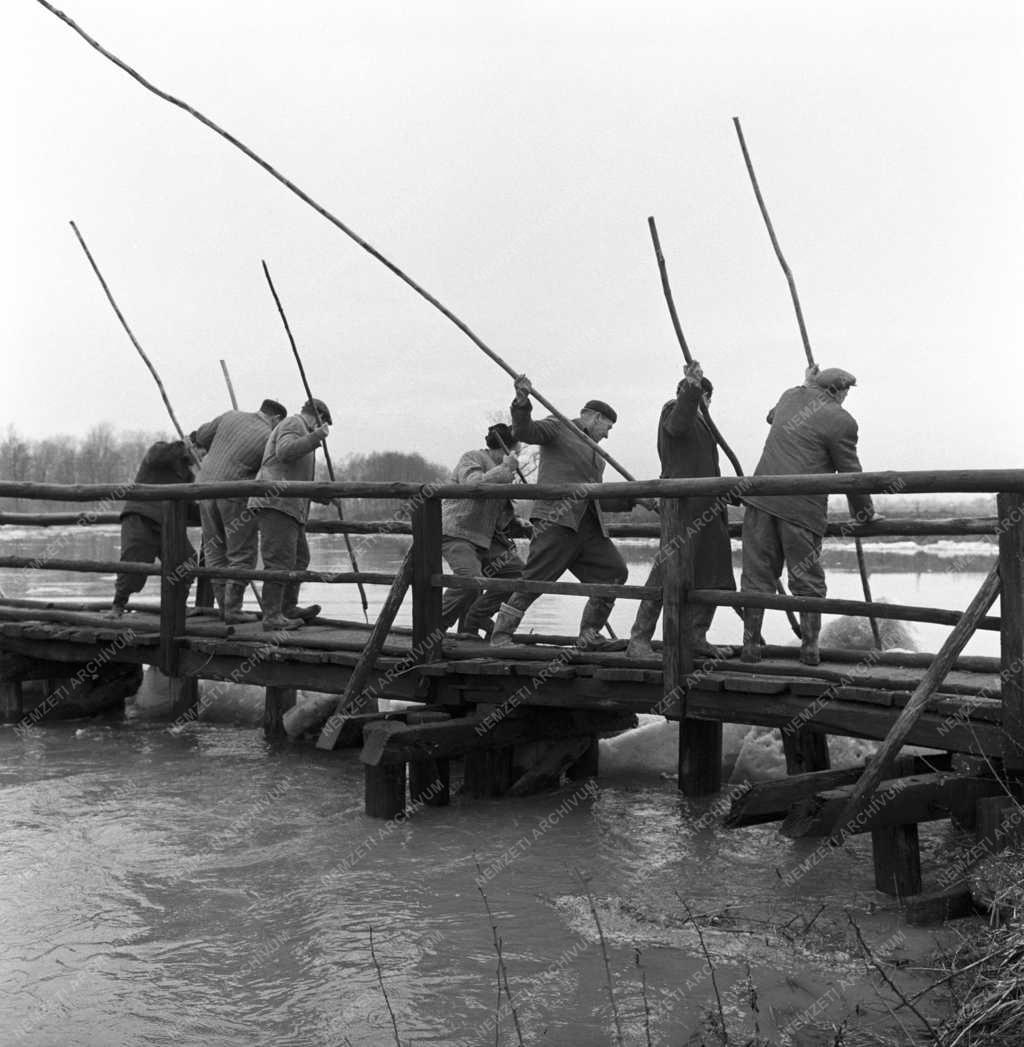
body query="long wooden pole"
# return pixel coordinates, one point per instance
(134, 340)
(687, 356)
(803, 336)
(936, 673)
(336, 222)
(320, 421)
(231, 388)
(719, 439)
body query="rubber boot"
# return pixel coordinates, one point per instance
(234, 593)
(752, 618)
(476, 624)
(218, 588)
(810, 627)
(595, 614)
(647, 614)
(702, 617)
(273, 619)
(304, 614)
(505, 624)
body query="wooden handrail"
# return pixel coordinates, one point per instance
(891, 526)
(940, 481)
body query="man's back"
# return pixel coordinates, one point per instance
(235, 442)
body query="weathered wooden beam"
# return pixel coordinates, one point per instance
(278, 701)
(398, 743)
(384, 790)
(429, 780)
(896, 738)
(945, 481)
(896, 855)
(175, 562)
(770, 801)
(897, 801)
(356, 688)
(806, 750)
(520, 585)
(54, 563)
(829, 605)
(426, 597)
(1011, 671)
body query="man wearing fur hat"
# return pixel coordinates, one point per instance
(687, 447)
(234, 443)
(811, 432)
(568, 533)
(478, 533)
(290, 454)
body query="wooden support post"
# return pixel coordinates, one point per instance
(174, 583)
(806, 750)
(999, 823)
(588, 764)
(488, 772)
(11, 700)
(183, 693)
(1011, 652)
(897, 859)
(429, 780)
(700, 741)
(384, 790)
(278, 701)
(426, 598)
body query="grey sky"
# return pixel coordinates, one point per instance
(507, 157)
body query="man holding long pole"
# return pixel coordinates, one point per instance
(290, 455)
(568, 534)
(811, 432)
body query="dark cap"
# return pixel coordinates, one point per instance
(318, 409)
(499, 434)
(602, 408)
(273, 407)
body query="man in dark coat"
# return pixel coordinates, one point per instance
(142, 522)
(568, 533)
(234, 443)
(477, 533)
(811, 432)
(687, 447)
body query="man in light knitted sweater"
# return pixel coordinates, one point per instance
(234, 443)
(290, 455)
(477, 533)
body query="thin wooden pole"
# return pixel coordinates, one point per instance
(336, 222)
(881, 762)
(320, 421)
(231, 388)
(134, 340)
(670, 301)
(705, 411)
(803, 334)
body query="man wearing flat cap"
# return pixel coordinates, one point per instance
(234, 443)
(688, 447)
(811, 432)
(290, 454)
(568, 533)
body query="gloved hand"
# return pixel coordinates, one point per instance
(523, 388)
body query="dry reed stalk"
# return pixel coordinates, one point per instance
(498, 949)
(380, 979)
(711, 966)
(604, 955)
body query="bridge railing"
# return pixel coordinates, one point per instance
(677, 525)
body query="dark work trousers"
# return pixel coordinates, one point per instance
(140, 543)
(768, 543)
(284, 548)
(587, 553)
(470, 561)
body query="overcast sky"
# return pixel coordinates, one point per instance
(507, 157)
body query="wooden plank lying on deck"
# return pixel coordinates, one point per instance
(896, 801)
(770, 801)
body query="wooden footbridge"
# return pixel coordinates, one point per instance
(521, 716)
